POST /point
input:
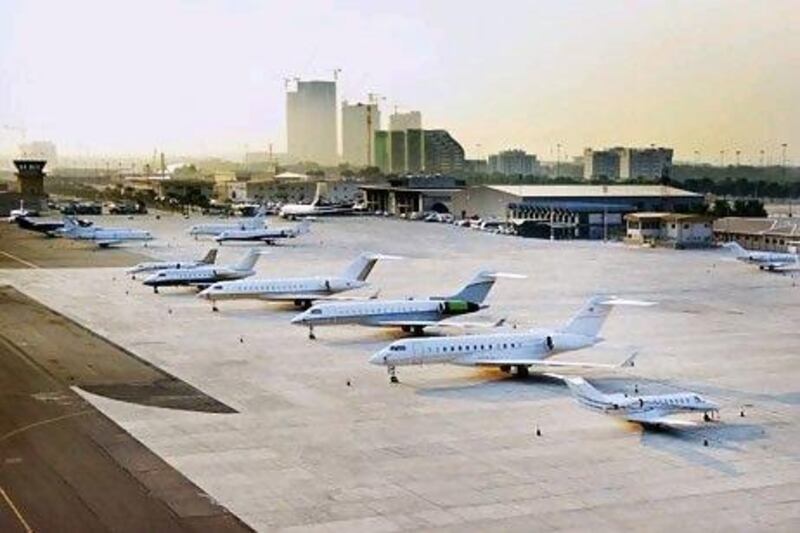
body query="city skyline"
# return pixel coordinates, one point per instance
(128, 78)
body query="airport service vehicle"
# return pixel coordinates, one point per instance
(265, 235)
(216, 228)
(649, 410)
(204, 276)
(771, 261)
(103, 237)
(301, 291)
(409, 315)
(507, 350)
(155, 266)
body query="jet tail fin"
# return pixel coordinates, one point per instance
(589, 320)
(360, 269)
(210, 258)
(583, 390)
(735, 248)
(476, 289)
(249, 260)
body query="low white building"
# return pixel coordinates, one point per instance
(669, 229)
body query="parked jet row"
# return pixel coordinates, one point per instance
(650, 410)
(300, 290)
(771, 261)
(103, 237)
(204, 276)
(409, 315)
(507, 350)
(214, 229)
(266, 235)
(155, 266)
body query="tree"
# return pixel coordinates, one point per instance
(721, 208)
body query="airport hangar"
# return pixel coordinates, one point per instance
(570, 211)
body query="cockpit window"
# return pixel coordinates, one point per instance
(399, 348)
(316, 311)
(217, 287)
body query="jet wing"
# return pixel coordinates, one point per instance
(548, 363)
(657, 417)
(407, 323)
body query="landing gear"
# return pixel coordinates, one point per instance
(155, 289)
(506, 369)
(706, 417)
(392, 374)
(214, 307)
(419, 331)
(406, 329)
(522, 371)
(311, 335)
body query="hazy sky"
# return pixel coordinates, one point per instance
(207, 76)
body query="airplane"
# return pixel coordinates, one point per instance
(266, 235)
(205, 275)
(155, 266)
(214, 229)
(42, 226)
(103, 237)
(409, 315)
(14, 214)
(648, 410)
(301, 291)
(507, 350)
(316, 208)
(771, 261)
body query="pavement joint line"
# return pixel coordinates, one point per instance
(13, 507)
(42, 423)
(19, 259)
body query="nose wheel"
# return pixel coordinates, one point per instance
(155, 289)
(392, 374)
(311, 335)
(214, 307)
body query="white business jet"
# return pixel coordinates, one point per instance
(648, 410)
(265, 235)
(215, 228)
(103, 237)
(301, 291)
(155, 266)
(204, 276)
(771, 261)
(508, 350)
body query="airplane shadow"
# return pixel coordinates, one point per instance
(489, 385)
(688, 443)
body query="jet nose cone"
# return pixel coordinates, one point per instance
(299, 320)
(204, 294)
(379, 358)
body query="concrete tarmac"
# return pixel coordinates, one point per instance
(450, 448)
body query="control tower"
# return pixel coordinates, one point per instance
(30, 178)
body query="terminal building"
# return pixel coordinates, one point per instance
(413, 194)
(570, 211)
